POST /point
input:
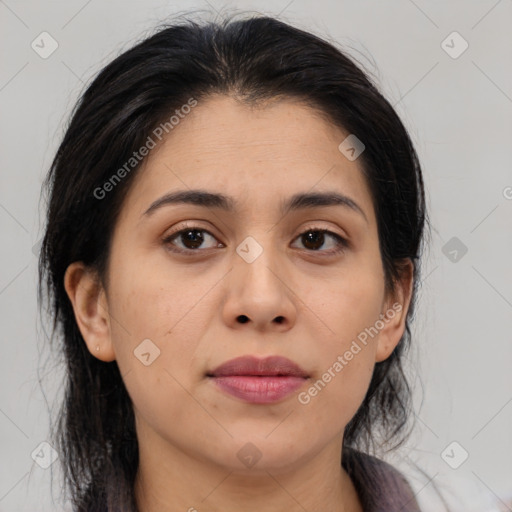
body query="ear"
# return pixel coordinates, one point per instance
(91, 309)
(394, 313)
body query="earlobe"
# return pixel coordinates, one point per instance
(394, 314)
(90, 306)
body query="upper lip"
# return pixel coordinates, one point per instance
(251, 365)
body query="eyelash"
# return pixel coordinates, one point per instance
(341, 243)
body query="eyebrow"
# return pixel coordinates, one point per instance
(296, 202)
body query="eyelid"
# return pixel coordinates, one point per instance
(315, 227)
(188, 224)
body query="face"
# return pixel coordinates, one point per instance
(192, 286)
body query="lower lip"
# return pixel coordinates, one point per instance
(259, 390)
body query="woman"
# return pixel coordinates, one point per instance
(232, 250)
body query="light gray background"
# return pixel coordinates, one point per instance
(459, 113)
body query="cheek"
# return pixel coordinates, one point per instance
(348, 303)
(335, 396)
(155, 300)
(345, 367)
(349, 308)
(156, 327)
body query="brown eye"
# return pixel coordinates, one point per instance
(314, 240)
(191, 239)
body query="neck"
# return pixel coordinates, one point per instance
(172, 480)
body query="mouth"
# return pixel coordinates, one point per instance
(260, 381)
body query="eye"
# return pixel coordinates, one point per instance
(314, 238)
(191, 238)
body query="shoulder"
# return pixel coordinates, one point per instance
(381, 487)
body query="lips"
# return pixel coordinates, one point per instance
(252, 366)
(259, 381)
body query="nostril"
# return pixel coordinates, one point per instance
(242, 319)
(279, 319)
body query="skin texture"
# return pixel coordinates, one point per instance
(187, 304)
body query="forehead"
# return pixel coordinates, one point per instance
(258, 155)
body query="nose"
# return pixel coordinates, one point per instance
(259, 294)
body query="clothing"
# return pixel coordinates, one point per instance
(380, 487)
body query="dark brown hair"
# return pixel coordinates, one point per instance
(252, 59)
